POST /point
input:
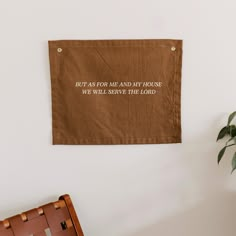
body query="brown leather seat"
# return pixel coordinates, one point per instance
(56, 219)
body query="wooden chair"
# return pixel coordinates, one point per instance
(56, 219)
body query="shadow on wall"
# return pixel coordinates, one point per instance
(213, 217)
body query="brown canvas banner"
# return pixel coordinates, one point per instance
(116, 91)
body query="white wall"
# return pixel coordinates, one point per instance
(136, 190)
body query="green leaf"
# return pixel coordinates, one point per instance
(222, 133)
(233, 132)
(231, 116)
(221, 153)
(230, 129)
(234, 162)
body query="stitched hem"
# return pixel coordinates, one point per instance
(111, 140)
(116, 43)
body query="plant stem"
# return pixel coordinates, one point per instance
(231, 145)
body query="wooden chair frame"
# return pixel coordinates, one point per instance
(57, 219)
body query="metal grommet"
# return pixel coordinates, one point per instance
(59, 50)
(173, 48)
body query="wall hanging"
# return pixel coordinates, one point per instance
(116, 91)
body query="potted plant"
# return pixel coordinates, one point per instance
(228, 131)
